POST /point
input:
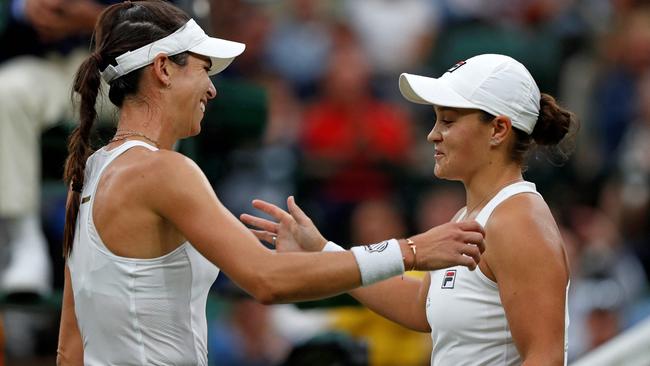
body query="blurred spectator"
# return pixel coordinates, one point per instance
(627, 58)
(396, 35)
(34, 94)
(299, 45)
(352, 142)
(634, 165)
(246, 22)
(520, 29)
(606, 279)
(246, 337)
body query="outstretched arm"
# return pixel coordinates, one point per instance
(399, 299)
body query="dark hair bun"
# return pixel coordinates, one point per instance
(553, 122)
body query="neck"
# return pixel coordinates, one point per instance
(147, 120)
(485, 185)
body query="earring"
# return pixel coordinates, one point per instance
(494, 142)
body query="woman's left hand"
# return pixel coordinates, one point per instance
(293, 231)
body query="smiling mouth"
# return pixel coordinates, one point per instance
(202, 106)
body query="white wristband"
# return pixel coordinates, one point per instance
(332, 247)
(378, 262)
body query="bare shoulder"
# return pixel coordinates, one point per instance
(160, 168)
(163, 162)
(523, 230)
(147, 176)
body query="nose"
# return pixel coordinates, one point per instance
(434, 135)
(212, 91)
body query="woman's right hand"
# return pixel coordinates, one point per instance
(450, 244)
(294, 230)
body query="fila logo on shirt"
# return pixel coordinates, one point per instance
(449, 279)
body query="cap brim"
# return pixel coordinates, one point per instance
(426, 90)
(222, 52)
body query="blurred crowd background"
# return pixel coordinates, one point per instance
(312, 109)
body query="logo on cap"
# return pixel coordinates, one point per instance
(455, 67)
(449, 279)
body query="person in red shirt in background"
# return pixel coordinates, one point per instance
(352, 141)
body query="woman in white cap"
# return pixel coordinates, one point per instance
(135, 288)
(512, 309)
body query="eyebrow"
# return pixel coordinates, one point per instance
(206, 59)
(445, 109)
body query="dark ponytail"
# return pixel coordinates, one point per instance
(553, 123)
(554, 130)
(86, 84)
(120, 28)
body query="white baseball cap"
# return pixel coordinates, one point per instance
(189, 37)
(497, 84)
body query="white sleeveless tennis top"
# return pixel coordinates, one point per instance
(464, 309)
(136, 311)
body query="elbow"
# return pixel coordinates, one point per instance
(265, 296)
(267, 292)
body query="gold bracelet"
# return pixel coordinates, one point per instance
(411, 245)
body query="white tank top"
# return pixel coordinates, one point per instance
(136, 311)
(464, 309)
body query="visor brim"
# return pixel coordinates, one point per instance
(222, 52)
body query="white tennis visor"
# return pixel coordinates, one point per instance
(190, 37)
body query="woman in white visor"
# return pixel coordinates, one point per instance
(145, 234)
(511, 310)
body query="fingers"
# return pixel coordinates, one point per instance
(471, 251)
(471, 237)
(259, 223)
(472, 226)
(295, 211)
(468, 262)
(481, 246)
(271, 209)
(264, 236)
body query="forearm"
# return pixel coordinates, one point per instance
(290, 277)
(396, 300)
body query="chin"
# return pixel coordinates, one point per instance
(196, 128)
(438, 173)
(442, 174)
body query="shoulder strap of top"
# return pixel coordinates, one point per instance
(504, 194)
(113, 154)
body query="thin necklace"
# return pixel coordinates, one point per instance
(124, 134)
(491, 194)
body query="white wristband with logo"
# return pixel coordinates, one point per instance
(378, 262)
